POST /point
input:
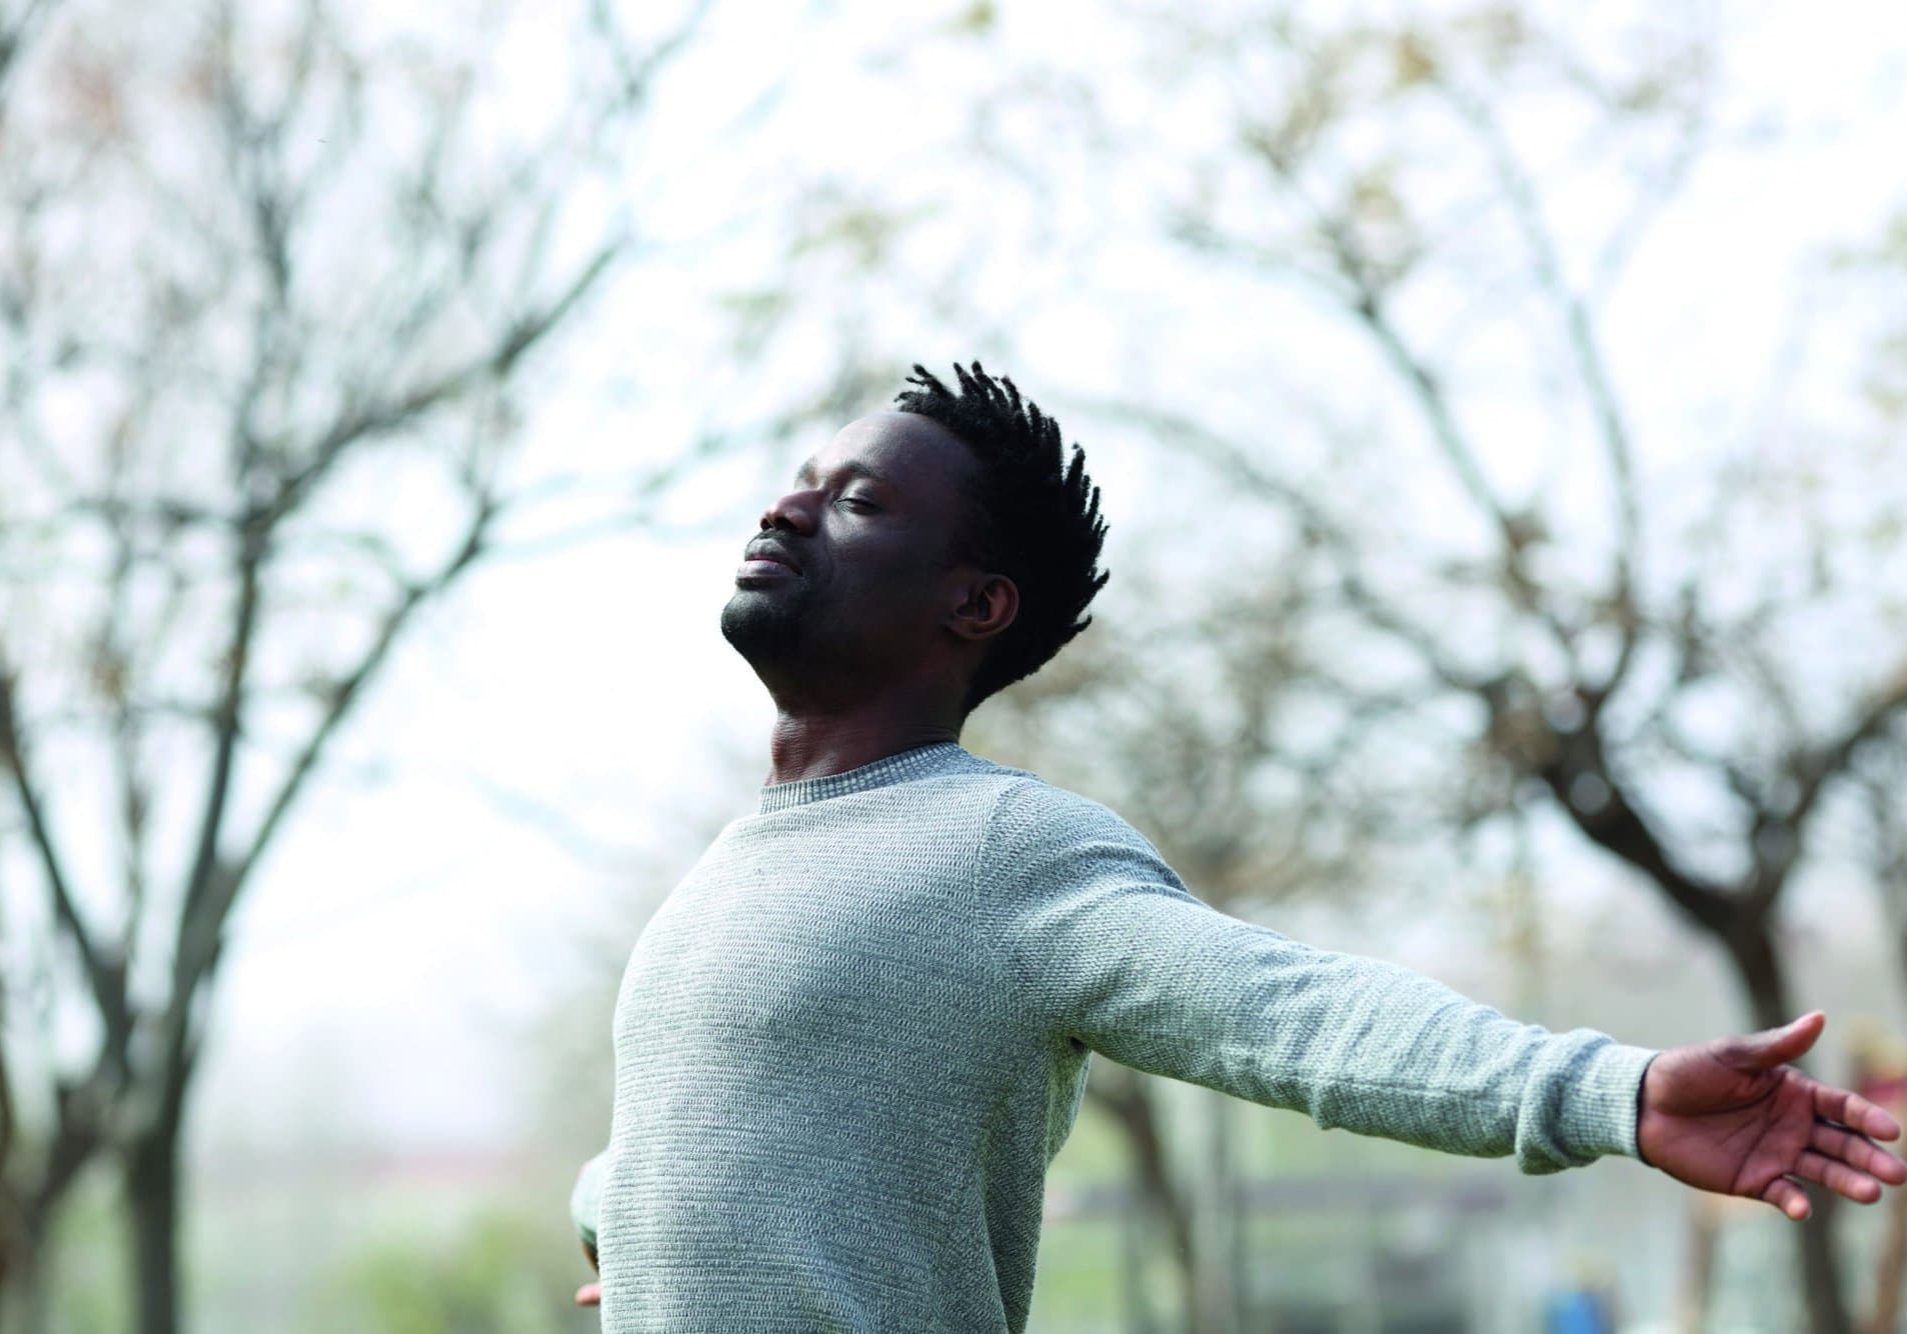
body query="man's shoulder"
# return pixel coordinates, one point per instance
(1045, 839)
(1029, 806)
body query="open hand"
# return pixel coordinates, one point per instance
(1732, 1116)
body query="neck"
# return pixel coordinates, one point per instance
(815, 742)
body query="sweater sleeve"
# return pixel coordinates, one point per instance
(585, 1198)
(1108, 948)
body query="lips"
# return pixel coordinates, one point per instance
(770, 551)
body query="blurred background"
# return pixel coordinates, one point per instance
(1499, 409)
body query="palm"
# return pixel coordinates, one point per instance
(1732, 1116)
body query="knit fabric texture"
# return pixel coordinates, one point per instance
(850, 1041)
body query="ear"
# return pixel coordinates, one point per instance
(987, 605)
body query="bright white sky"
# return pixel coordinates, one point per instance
(403, 925)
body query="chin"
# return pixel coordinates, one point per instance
(761, 628)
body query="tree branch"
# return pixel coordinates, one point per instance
(226, 725)
(202, 925)
(1592, 368)
(1320, 528)
(1618, 825)
(636, 73)
(1365, 301)
(13, 40)
(400, 410)
(105, 978)
(1813, 769)
(345, 692)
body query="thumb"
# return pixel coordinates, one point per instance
(590, 1294)
(1777, 1046)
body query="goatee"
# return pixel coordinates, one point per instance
(763, 626)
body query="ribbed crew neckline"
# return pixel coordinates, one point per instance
(902, 766)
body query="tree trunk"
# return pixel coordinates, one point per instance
(1123, 1097)
(1214, 1288)
(1698, 1280)
(1753, 951)
(1137, 1241)
(23, 1307)
(152, 1187)
(1890, 1271)
(1890, 1268)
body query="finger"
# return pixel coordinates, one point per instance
(1837, 1177)
(1777, 1046)
(590, 1294)
(1788, 1197)
(1858, 1153)
(1853, 1111)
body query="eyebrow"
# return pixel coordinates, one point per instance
(852, 468)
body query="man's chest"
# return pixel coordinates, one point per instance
(841, 944)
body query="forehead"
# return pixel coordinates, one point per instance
(903, 449)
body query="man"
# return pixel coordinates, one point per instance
(850, 1042)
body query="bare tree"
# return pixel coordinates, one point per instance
(1579, 656)
(270, 281)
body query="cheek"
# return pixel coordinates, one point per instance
(893, 586)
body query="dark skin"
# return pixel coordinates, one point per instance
(1733, 1116)
(867, 646)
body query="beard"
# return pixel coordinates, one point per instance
(767, 625)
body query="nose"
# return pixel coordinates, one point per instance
(791, 511)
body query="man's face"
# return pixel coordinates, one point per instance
(868, 535)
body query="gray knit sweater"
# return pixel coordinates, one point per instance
(849, 1043)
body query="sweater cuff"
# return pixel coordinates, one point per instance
(585, 1199)
(1600, 1108)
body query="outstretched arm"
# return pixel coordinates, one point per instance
(1733, 1116)
(1102, 944)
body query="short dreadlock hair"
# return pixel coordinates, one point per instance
(1035, 517)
